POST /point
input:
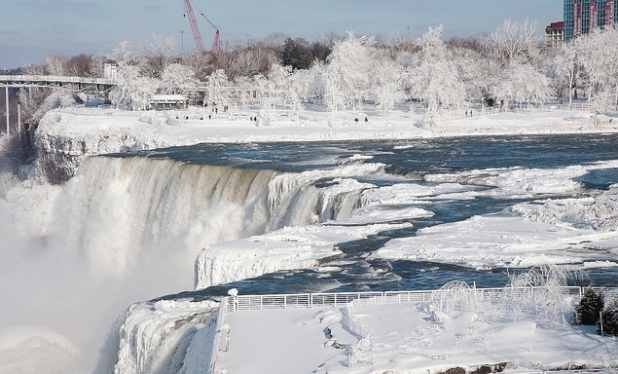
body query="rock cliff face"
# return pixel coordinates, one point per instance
(58, 157)
(62, 140)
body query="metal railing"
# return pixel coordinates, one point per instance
(329, 300)
(216, 345)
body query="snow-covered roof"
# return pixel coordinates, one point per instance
(167, 98)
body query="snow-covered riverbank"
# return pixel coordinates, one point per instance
(66, 135)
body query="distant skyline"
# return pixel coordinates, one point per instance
(30, 29)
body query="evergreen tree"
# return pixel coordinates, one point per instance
(297, 54)
(587, 312)
(610, 319)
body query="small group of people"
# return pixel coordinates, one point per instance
(366, 119)
(470, 113)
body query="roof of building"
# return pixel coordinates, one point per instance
(556, 25)
(168, 98)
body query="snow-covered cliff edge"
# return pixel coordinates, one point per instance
(64, 137)
(159, 338)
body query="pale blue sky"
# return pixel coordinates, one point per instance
(29, 29)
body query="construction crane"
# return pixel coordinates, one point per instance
(196, 31)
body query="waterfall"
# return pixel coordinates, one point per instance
(130, 228)
(118, 211)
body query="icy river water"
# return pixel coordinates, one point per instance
(466, 161)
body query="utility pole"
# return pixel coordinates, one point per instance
(408, 30)
(182, 41)
(19, 120)
(6, 93)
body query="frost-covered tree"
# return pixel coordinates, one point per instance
(479, 75)
(177, 79)
(55, 64)
(347, 75)
(388, 82)
(566, 69)
(546, 283)
(123, 53)
(604, 65)
(199, 62)
(158, 54)
(218, 88)
(435, 81)
(56, 99)
(514, 40)
(132, 90)
(523, 83)
(34, 69)
(97, 68)
(593, 71)
(279, 84)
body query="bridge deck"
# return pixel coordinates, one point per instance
(26, 80)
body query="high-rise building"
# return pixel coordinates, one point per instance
(584, 16)
(554, 34)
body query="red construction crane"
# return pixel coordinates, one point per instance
(196, 31)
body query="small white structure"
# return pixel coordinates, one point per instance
(109, 71)
(165, 102)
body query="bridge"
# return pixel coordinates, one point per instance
(78, 84)
(52, 81)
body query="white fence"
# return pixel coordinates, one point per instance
(333, 300)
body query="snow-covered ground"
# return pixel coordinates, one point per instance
(514, 335)
(193, 125)
(576, 231)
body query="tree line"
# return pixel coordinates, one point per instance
(508, 68)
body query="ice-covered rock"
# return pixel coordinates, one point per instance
(158, 337)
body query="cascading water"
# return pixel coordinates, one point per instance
(129, 229)
(125, 209)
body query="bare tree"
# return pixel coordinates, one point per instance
(80, 65)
